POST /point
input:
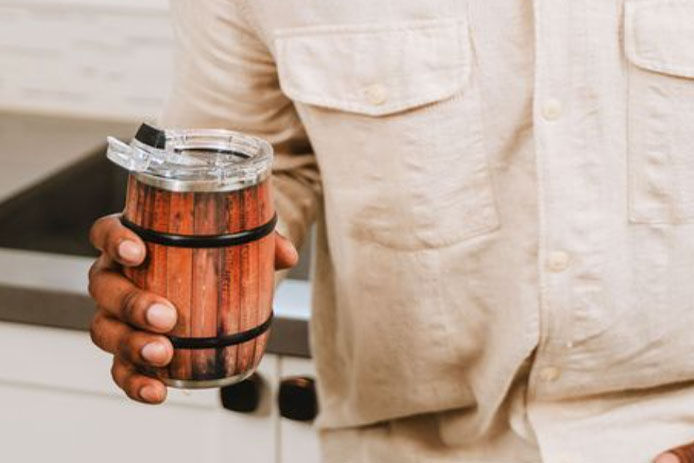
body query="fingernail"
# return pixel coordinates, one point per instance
(150, 394)
(667, 458)
(129, 250)
(161, 316)
(154, 353)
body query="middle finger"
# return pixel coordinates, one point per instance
(123, 300)
(137, 347)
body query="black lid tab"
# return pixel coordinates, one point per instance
(151, 136)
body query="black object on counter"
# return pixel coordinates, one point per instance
(297, 398)
(242, 397)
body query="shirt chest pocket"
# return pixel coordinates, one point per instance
(393, 114)
(659, 41)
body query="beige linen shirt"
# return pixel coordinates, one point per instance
(504, 193)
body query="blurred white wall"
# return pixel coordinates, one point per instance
(108, 59)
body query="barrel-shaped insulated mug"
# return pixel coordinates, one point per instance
(201, 202)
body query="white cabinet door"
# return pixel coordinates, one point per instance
(298, 441)
(57, 403)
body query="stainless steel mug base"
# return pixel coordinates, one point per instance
(206, 383)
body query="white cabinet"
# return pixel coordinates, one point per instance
(43, 424)
(57, 403)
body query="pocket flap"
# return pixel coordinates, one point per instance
(374, 69)
(659, 35)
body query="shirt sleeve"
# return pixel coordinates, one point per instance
(225, 77)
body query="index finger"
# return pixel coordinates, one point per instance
(108, 235)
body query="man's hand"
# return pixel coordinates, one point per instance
(129, 322)
(684, 454)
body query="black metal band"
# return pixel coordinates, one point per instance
(221, 341)
(201, 241)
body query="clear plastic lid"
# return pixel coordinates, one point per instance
(193, 159)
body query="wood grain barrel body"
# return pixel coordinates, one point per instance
(216, 291)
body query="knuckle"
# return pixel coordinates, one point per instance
(111, 242)
(131, 388)
(94, 268)
(95, 229)
(91, 288)
(92, 285)
(132, 304)
(93, 232)
(98, 266)
(130, 348)
(126, 349)
(103, 232)
(115, 376)
(95, 332)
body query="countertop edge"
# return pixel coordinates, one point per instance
(66, 310)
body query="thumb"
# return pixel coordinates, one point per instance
(285, 253)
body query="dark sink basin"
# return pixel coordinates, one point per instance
(55, 215)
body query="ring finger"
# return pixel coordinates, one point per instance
(137, 347)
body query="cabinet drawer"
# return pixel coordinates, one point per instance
(56, 390)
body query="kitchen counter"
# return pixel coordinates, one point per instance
(49, 289)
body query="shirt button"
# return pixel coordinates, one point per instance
(558, 261)
(376, 94)
(550, 374)
(551, 110)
